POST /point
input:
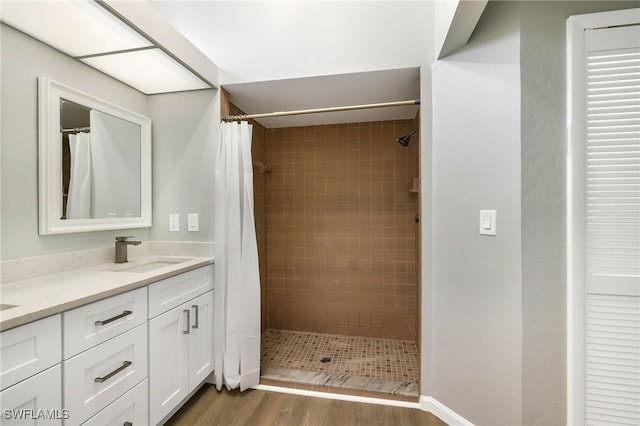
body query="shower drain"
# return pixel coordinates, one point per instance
(325, 359)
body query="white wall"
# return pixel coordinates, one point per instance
(543, 47)
(475, 360)
(482, 292)
(443, 12)
(185, 133)
(23, 61)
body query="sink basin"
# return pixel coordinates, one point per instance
(5, 306)
(148, 266)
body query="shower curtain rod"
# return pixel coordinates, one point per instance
(76, 129)
(319, 110)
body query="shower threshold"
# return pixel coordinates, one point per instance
(360, 366)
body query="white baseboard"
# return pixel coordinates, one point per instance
(443, 412)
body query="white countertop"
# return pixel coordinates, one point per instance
(47, 295)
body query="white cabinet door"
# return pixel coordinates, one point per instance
(201, 339)
(35, 401)
(169, 361)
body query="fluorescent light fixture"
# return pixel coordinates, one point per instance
(89, 32)
(150, 71)
(77, 28)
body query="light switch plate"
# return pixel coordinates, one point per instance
(192, 222)
(174, 222)
(488, 222)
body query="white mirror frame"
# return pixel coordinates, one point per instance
(50, 161)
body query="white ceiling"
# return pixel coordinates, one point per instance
(287, 55)
(330, 91)
(90, 32)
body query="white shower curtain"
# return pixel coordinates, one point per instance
(236, 330)
(79, 196)
(115, 162)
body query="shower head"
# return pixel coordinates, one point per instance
(404, 140)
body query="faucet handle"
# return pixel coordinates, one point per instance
(124, 238)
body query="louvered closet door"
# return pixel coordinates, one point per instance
(612, 226)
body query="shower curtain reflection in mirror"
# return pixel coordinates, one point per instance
(104, 169)
(115, 160)
(79, 196)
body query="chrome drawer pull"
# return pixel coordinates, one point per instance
(188, 321)
(124, 365)
(196, 312)
(117, 317)
(127, 424)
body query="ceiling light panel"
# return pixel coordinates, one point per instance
(150, 71)
(77, 28)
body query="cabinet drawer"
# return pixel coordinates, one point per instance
(92, 324)
(35, 401)
(174, 291)
(29, 349)
(130, 408)
(100, 375)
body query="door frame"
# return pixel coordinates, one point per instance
(576, 26)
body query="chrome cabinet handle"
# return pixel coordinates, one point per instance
(195, 307)
(117, 317)
(187, 322)
(124, 365)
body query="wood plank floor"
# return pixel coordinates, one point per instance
(254, 407)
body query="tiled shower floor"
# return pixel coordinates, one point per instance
(343, 364)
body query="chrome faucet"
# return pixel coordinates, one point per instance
(121, 248)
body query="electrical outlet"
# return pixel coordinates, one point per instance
(174, 222)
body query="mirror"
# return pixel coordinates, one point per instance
(94, 163)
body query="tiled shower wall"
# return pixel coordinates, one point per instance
(341, 230)
(259, 155)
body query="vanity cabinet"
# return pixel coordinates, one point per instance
(30, 373)
(92, 324)
(128, 359)
(35, 400)
(180, 339)
(29, 349)
(105, 353)
(132, 409)
(97, 377)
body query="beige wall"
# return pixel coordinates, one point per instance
(341, 229)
